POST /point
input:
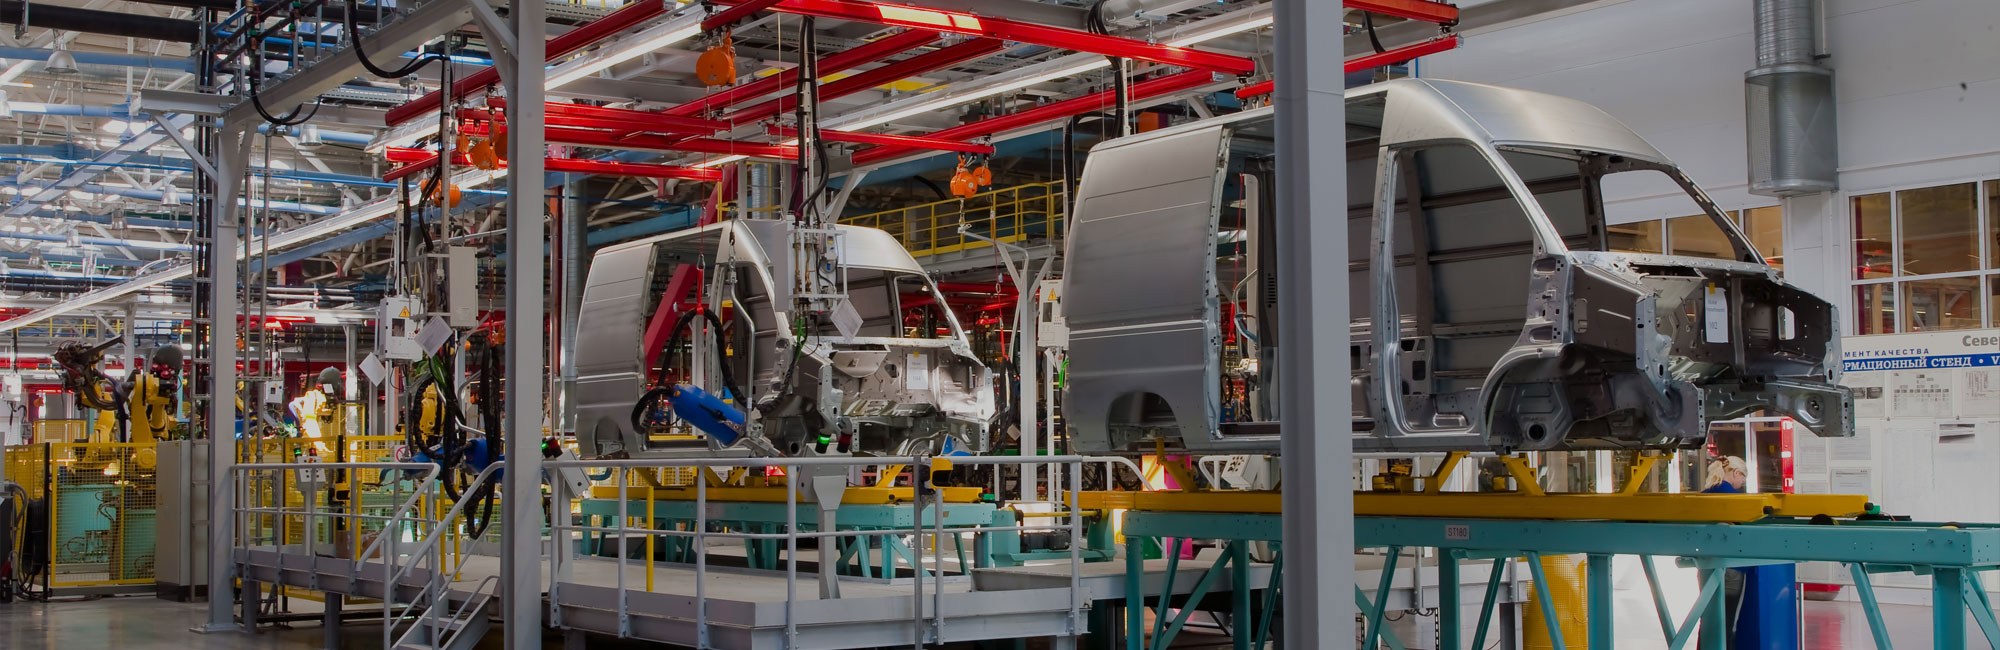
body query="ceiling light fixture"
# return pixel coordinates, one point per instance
(60, 62)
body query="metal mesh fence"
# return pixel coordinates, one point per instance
(103, 509)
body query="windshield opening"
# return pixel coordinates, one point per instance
(1606, 202)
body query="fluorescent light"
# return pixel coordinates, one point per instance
(948, 99)
(1258, 22)
(1074, 64)
(640, 44)
(613, 53)
(116, 126)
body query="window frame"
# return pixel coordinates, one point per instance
(1987, 270)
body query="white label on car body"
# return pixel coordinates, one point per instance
(1715, 314)
(917, 372)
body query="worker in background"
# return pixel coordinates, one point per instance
(318, 411)
(1728, 475)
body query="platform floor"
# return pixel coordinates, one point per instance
(143, 623)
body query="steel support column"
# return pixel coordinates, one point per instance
(1313, 396)
(521, 568)
(232, 159)
(1597, 578)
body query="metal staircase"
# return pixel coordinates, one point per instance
(447, 620)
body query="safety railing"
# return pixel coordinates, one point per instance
(412, 532)
(928, 621)
(1032, 212)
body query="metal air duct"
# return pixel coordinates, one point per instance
(1789, 106)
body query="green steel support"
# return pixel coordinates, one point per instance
(1947, 609)
(1982, 608)
(1379, 610)
(1239, 594)
(1711, 590)
(1201, 587)
(1866, 589)
(1715, 614)
(1450, 610)
(1265, 617)
(1597, 577)
(1361, 603)
(1487, 604)
(1548, 603)
(1135, 595)
(1659, 597)
(1166, 595)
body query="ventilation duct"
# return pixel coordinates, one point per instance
(1789, 104)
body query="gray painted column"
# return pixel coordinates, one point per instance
(1313, 398)
(521, 572)
(232, 158)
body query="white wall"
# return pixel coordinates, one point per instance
(1917, 82)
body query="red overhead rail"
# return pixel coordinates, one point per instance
(1359, 63)
(736, 13)
(870, 52)
(653, 120)
(1424, 10)
(1404, 53)
(912, 141)
(953, 22)
(1093, 102)
(906, 68)
(418, 160)
(568, 43)
(651, 142)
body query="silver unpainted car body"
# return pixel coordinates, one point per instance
(892, 394)
(1476, 225)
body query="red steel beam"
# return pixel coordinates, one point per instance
(953, 22)
(1258, 89)
(736, 13)
(1075, 106)
(650, 142)
(873, 51)
(418, 160)
(1391, 57)
(913, 141)
(906, 68)
(1424, 10)
(566, 44)
(1404, 53)
(654, 120)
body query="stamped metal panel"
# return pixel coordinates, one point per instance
(608, 361)
(1422, 110)
(1141, 288)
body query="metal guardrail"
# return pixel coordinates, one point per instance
(1009, 215)
(928, 628)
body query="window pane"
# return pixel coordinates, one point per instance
(1637, 237)
(1940, 229)
(1872, 256)
(1875, 306)
(1993, 225)
(1993, 306)
(1942, 304)
(1766, 228)
(1698, 236)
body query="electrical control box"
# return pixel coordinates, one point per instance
(1053, 329)
(396, 329)
(461, 265)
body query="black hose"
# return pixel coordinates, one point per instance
(407, 69)
(660, 388)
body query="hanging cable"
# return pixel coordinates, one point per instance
(256, 101)
(354, 37)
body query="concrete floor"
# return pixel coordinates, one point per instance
(143, 623)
